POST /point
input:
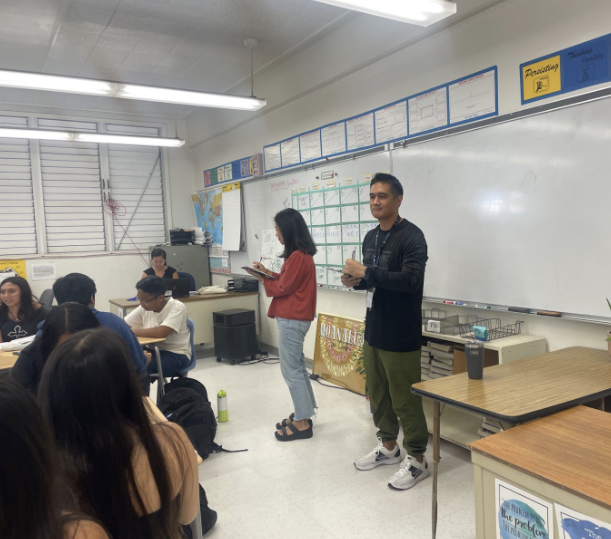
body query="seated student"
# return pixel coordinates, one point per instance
(159, 266)
(81, 289)
(61, 322)
(34, 503)
(90, 397)
(165, 318)
(20, 312)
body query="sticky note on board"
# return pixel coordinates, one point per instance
(480, 332)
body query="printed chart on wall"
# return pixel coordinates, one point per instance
(208, 207)
(338, 217)
(521, 515)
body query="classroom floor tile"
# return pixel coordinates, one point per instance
(310, 488)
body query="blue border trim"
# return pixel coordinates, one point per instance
(236, 165)
(376, 143)
(565, 88)
(447, 110)
(375, 131)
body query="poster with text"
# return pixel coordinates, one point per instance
(574, 525)
(521, 515)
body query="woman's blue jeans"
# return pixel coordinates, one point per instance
(291, 334)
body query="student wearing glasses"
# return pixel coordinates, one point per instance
(165, 318)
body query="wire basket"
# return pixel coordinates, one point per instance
(494, 327)
(450, 325)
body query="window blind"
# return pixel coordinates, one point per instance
(136, 183)
(72, 190)
(17, 223)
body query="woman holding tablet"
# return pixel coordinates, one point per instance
(293, 306)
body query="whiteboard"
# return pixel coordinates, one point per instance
(518, 213)
(263, 199)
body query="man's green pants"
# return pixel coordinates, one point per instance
(390, 376)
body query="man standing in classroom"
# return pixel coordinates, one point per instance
(394, 256)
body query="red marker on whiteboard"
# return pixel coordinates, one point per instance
(453, 302)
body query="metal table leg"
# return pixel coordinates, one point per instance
(436, 434)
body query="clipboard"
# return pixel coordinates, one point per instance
(258, 272)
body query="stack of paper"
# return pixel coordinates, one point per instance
(199, 235)
(17, 344)
(490, 426)
(442, 359)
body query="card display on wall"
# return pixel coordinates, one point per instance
(468, 99)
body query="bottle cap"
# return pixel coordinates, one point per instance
(221, 394)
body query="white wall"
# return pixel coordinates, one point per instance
(513, 32)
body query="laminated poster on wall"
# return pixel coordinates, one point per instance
(574, 525)
(520, 514)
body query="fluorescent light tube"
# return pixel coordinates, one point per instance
(69, 136)
(36, 134)
(54, 83)
(124, 139)
(185, 97)
(420, 12)
(37, 81)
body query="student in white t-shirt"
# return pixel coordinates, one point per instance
(162, 317)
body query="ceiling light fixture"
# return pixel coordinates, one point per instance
(419, 12)
(73, 85)
(69, 136)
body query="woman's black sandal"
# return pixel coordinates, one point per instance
(296, 433)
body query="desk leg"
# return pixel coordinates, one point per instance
(436, 433)
(160, 380)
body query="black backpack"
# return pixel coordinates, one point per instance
(186, 403)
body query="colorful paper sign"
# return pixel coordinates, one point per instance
(16, 265)
(574, 525)
(570, 69)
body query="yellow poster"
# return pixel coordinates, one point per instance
(17, 265)
(541, 78)
(339, 351)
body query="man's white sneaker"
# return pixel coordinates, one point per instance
(410, 473)
(380, 455)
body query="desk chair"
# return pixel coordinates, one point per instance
(46, 298)
(158, 377)
(185, 275)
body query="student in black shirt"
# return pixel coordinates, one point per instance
(61, 322)
(20, 312)
(394, 256)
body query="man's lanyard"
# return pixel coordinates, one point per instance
(376, 258)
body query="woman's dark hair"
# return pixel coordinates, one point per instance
(153, 285)
(91, 398)
(26, 310)
(67, 318)
(294, 232)
(32, 498)
(158, 252)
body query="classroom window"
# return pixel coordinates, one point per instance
(66, 197)
(17, 224)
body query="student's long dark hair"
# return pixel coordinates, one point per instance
(294, 232)
(32, 498)
(90, 396)
(27, 299)
(67, 318)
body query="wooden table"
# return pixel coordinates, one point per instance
(7, 360)
(521, 391)
(200, 309)
(563, 458)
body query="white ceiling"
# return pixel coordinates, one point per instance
(188, 44)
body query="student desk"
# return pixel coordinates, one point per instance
(200, 309)
(563, 458)
(521, 391)
(7, 360)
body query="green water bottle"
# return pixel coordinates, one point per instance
(222, 407)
